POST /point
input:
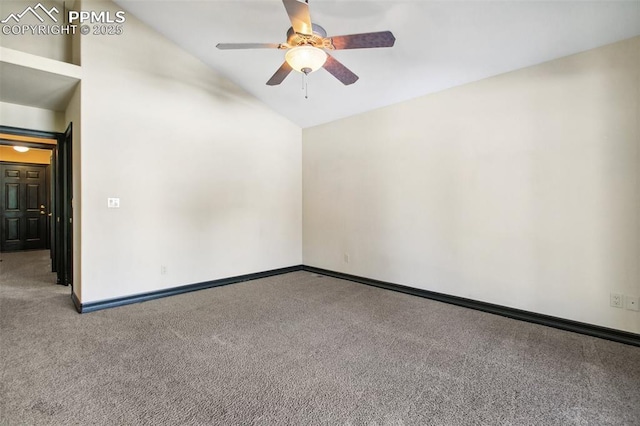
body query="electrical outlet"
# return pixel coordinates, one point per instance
(113, 203)
(346, 258)
(615, 300)
(163, 270)
(631, 303)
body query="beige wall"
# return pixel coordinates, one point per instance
(72, 116)
(209, 179)
(31, 118)
(56, 47)
(521, 190)
(37, 156)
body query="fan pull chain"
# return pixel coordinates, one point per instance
(305, 85)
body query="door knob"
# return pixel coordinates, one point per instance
(42, 206)
(41, 212)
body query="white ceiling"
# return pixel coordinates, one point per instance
(439, 44)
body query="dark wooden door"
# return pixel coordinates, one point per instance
(62, 223)
(65, 161)
(23, 210)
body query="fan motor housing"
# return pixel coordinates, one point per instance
(316, 39)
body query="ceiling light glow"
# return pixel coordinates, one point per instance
(21, 148)
(306, 59)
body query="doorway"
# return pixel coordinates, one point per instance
(52, 220)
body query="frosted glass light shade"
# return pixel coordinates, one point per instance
(305, 59)
(21, 148)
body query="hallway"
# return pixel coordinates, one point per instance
(28, 283)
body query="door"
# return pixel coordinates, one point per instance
(67, 194)
(23, 210)
(62, 226)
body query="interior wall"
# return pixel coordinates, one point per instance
(521, 190)
(72, 116)
(32, 118)
(50, 46)
(209, 179)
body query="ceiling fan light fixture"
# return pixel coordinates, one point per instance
(21, 148)
(305, 59)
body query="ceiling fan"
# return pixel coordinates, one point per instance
(307, 44)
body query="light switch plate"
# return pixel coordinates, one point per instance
(631, 303)
(113, 203)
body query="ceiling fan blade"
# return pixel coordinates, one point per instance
(299, 15)
(364, 40)
(339, 71)
(280, 75)
(226, 46)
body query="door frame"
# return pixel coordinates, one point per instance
(61, 194)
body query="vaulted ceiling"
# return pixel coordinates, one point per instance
(439, 44)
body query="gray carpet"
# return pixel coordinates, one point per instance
(295, 349)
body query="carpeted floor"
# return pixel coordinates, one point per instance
(295, 349)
